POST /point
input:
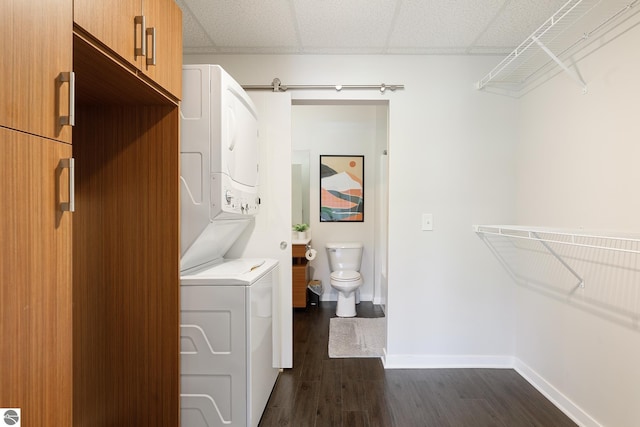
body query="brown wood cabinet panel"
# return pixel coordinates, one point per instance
(111, 22)
(126, 267)
(299, 290)
(298, 251)
(35, 280)
(35, 46)
(122, 87)
(300, 277)
(166, 18)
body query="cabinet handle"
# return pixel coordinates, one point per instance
(69, 206)
(70, 77)
(142, 22)
(151, 32)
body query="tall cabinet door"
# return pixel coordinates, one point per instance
(36, 45)
(35, 280)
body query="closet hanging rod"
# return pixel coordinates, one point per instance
(277, 86)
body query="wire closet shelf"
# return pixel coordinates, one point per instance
(564, 33)
(585, 240)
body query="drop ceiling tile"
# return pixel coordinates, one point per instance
(246, 23)
(518, 20)
(442, 24)
(365, 26)
(426, 50)
(193, 35)
(269, 50)
(339, 24)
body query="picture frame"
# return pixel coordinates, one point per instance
(341, 188)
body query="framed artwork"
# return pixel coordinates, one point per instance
(341, 188)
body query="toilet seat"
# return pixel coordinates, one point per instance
(345, 276)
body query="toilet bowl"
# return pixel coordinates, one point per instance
(346, 283)
(344, 261)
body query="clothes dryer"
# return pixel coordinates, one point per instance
(226, 326)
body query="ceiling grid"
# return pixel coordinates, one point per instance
(475, 27)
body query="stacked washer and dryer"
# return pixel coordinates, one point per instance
(226, 325)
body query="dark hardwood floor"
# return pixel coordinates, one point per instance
(319, 391)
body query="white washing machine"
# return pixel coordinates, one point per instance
(226, 322)
(226, 350)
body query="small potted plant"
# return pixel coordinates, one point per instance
(302, 230)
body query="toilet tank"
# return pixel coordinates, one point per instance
(344, 256)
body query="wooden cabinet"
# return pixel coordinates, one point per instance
(35, 46)
(35, 234)
(300, 276)
(35, 280)
(127, 27)
(90, 299)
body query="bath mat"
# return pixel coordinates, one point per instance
(356, 337)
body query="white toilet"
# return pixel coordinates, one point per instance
(344, 261)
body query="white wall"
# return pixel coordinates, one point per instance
(578, 167)
(451, 153)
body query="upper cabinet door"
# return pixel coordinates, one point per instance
(147, 34)
(36, 41)
(164, 44)
(113, 23)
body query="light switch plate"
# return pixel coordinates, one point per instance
(427, 222)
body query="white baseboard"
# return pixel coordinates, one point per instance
(395, 361)
(562, 402)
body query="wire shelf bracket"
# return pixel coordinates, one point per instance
(548, 236)
(559, 258)
(572, 73)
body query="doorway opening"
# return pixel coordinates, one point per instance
(334, 127)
